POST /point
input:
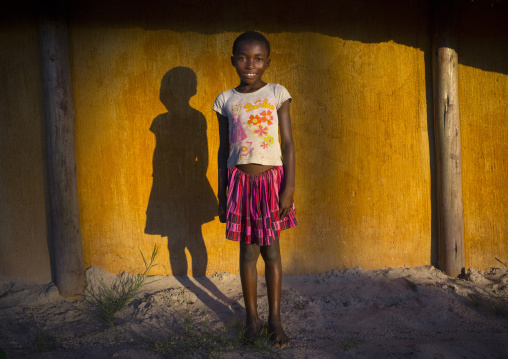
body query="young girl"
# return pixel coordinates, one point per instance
(259, 184)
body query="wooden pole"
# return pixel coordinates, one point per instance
(59, 112)
(447, 134)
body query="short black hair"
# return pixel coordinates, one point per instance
(251, 36)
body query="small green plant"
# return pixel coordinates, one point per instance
(498, 304)
(44, 342)
(108, 300)
(475, 300)
(349, 343)
(264, 348)
(151, 264)
(39, 339)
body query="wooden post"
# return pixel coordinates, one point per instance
(447, 134)
(59, 112)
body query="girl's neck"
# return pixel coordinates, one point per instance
(246, 88)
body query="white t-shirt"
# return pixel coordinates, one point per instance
(253, 124)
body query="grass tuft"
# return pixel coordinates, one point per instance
(349, 343)
(44, 342)
(476, 300)
(497, 303)
(108, 300)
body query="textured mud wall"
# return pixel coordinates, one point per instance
(360, 75)
(483, 94)
(24, 250)
(360, 127)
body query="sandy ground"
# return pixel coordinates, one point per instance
(388, 313)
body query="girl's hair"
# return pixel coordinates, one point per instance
(251, 36)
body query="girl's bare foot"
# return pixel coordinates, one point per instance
(277, 335)
(252, 328)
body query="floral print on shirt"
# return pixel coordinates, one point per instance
(259, 121)
(267, 117)
(261, 131)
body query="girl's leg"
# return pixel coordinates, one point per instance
(249, 254)
(273, 277)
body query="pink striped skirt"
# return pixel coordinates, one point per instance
(253, 206)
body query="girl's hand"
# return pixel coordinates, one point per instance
(285, 203)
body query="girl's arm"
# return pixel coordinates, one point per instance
(288, 158)
(222, 161)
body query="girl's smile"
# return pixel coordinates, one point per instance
(251, 60)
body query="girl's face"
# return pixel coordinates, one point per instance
(251, 60)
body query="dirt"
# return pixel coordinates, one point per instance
(414, 312)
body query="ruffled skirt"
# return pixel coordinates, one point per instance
(253, 206)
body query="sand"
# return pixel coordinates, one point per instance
(386, 313)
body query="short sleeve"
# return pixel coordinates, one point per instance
(282, 95)
(218, 105)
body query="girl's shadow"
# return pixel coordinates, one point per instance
(181, 199)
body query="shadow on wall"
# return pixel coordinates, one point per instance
(181, 199)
